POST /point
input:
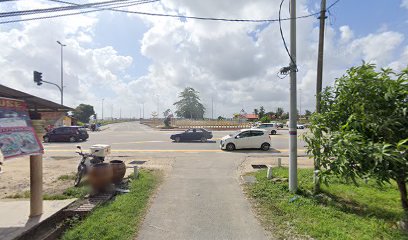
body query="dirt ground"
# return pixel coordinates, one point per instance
(15, 177)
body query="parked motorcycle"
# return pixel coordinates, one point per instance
(86, 162)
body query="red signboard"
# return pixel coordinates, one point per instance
(17, 136)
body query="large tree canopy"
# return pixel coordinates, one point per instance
(189, 105)
(362, 130)
(83, 112)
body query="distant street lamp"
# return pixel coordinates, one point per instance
(62, 72)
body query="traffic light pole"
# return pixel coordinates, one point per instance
(59, 88)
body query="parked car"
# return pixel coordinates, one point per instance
(271, 128)
(300, 126)
(192, 134)
(246, 138)
(66, 134)
(280, 125)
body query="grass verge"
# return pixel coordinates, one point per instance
(341, 211)
(121, 218)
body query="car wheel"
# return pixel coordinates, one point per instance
(273, 132)
(177, 139)
(265, 146)
(203, 139)
(72, 139)
(46, 139)
(230, 147)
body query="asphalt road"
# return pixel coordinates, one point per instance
(134, 139)
(201, 197)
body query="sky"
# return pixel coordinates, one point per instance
(127, 61)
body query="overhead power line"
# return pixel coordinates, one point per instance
(98, 9)
(65, 8)
(164, 15)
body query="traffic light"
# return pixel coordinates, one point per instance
(38, 78)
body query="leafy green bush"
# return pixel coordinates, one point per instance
(362, 130)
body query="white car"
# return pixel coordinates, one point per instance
(300, 126)
(271, 128)
(246, 138)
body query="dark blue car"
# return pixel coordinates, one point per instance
(192, 134)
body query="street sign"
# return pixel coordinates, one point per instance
(17, 136)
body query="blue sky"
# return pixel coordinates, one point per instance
(129, 59)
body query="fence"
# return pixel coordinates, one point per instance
(212, 124)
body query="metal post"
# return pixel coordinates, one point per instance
(293, 103)
(62, 72)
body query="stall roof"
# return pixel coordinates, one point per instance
(33, 103)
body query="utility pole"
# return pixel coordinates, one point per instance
(212, 107)
(319, 83)
(102, 108)
(143, 109)
(120, 113)
(293, 111)
(112, 112)
(300, 103)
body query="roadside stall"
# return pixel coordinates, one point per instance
(21, 131)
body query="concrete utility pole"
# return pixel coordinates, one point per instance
(62, 71)
(300, 103)
(293, 103)
(102, 107)
(212, 108)
(319, 83)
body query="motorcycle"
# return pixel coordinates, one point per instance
(86, 162)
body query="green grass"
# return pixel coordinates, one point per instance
(342, 211)
(67, 177)
(71, 192)
(121, 218)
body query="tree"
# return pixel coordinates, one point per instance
(189, 105)
(308, 113)
(362, 129)
(256, 112)
(279, 112)
(166, 113)
(83, 112)
(265, 119)
(220, 118)
(261, 112)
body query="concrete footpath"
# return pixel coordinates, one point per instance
(202, 199)
(14, 218)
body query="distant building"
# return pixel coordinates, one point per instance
(53, 113)
(251, 117)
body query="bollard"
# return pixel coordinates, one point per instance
(316, 176)
(135, 172)
(269, 173)
(279, 162)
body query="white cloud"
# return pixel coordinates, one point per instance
(404, 3)
(221, 60)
